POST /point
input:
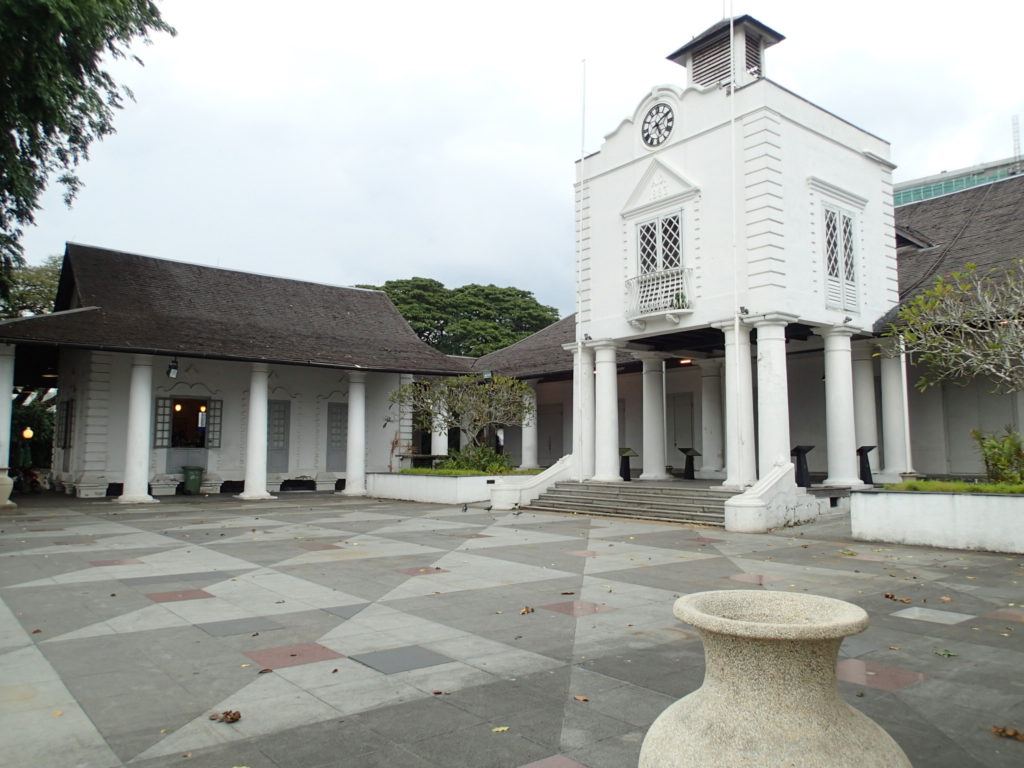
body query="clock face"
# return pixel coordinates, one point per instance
(657, 125)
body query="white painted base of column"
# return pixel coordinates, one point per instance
(709, 474)
(259, 496)
(147, 499)
(612, 479)
(854, 483)
(347, 492)
(655, 476)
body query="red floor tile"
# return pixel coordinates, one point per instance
(753, 578)
(1006, 614)
(879, 676)
(182, 594)
(292, 655)
(578, 608)
(422, 570)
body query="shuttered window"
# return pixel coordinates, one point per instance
(840, 260)
(711, 63)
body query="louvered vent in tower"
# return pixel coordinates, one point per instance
(753, 57)
(711, 63)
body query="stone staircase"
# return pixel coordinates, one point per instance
(672, 501)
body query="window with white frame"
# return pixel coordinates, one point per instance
(660, 243)
(840, 259)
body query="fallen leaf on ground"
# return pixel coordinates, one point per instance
(894, 647)
(1008, 733)
(568, 592)
(499, 729)
(847, 552)
(526, 609)
(227, 716)
(944, 653)
(58, 713)
(946, 599)
(264, 671)
(499, 612)
(36, 631)
(891, 596)
(581, 698)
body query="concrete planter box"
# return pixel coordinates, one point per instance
(986, 521)
(430, 488)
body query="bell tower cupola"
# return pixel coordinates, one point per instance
(714, 58)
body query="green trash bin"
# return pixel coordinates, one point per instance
(193, 480)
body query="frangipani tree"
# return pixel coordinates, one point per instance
(469, 403)
(968, 325)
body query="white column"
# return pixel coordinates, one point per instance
(138, 441)
(894, 416)
(653, 417)
(772, 392)
(585, 367)
(529, 432)
(256, 439)
(606, 414)
(711, 463)
(740, 464)
(6, 404)
(865, 412)
(355, 446)
(6, 407)
(840, 440)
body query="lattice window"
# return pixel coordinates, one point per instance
(162, 423)
(64, 426)
(660, 244)
(277, 425)
(840, 258)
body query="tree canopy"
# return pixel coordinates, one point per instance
(32, 290)
(56, 97)
(968, 325)
(467, 403)
(472, 320)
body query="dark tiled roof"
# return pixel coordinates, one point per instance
(983, 225)
(144, 304)
(535, 356)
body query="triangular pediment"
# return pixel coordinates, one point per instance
(660, 185)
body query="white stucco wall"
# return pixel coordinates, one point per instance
(98, 383)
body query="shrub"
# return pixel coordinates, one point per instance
(956, 486)
(477, 458)
(1003, 455)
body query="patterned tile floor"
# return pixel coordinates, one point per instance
(123, 629)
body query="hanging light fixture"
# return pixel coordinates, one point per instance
(172, 369)
(27, 433)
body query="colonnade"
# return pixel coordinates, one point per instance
(730, 447)
(140, 421)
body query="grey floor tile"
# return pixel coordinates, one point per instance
(239, 626)
(402, 659)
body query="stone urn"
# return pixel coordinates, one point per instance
(6, 485)
(770, 697)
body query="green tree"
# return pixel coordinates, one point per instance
(968, 325)
(32, 289)
(56, 97)
(467, 403)
(40, 417)
(472, 320)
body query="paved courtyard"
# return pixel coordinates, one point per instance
(378, 633)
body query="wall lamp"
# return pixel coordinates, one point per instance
(172, 369)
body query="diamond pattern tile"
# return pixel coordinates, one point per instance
(404, 659)
(176, 596)
(930, 614)
(578, 608)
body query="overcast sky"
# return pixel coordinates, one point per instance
(353, 142)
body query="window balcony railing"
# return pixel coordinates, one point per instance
(658, 293)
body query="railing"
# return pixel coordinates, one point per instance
(658, 293)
